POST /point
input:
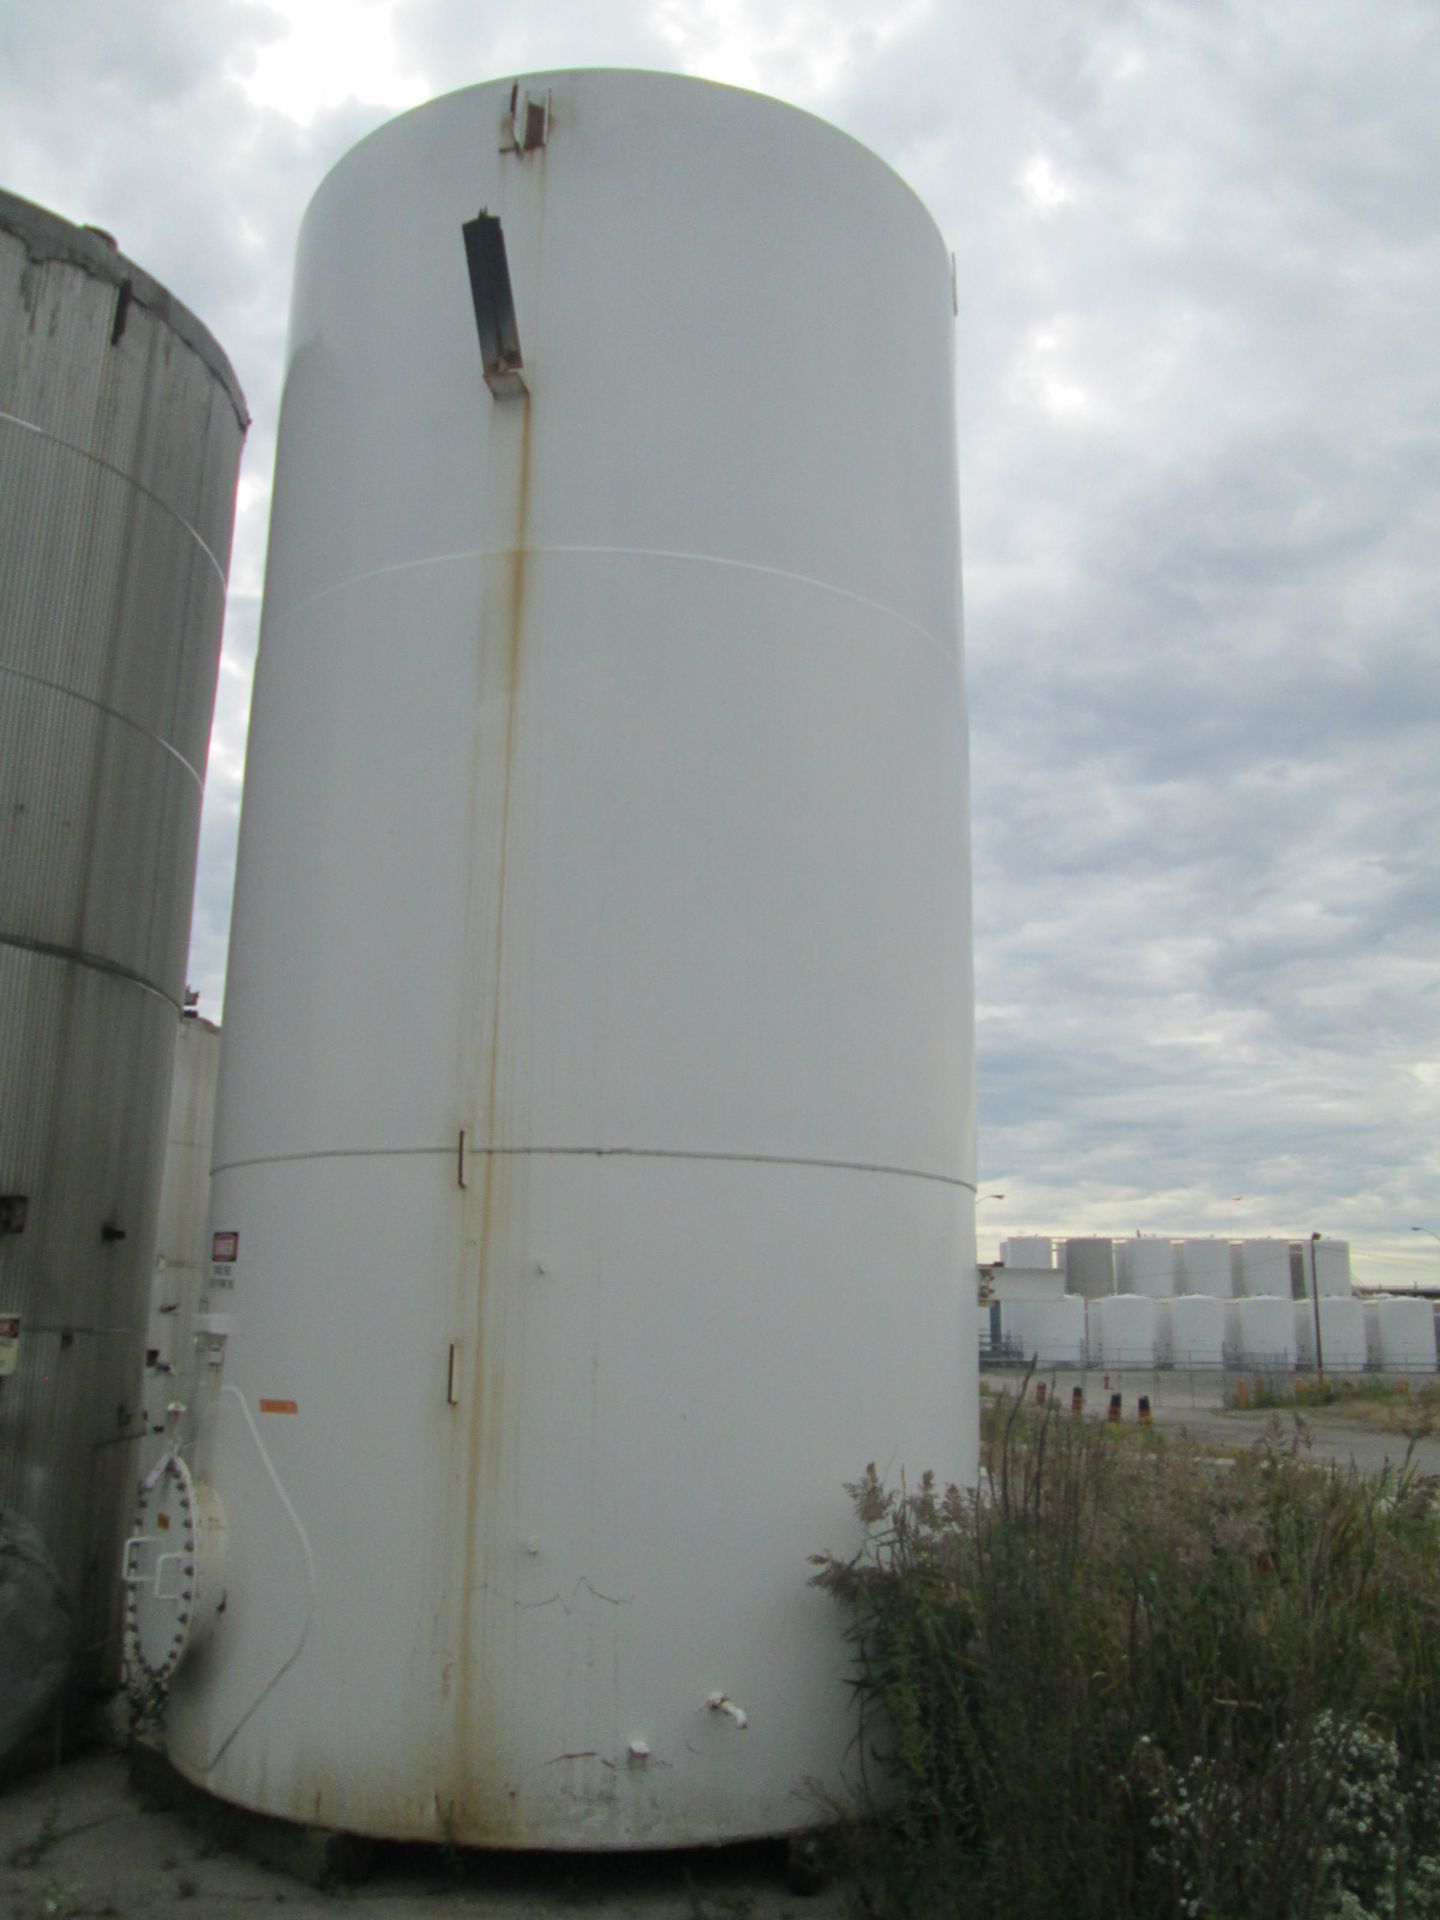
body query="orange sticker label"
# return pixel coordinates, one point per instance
(279, 1406)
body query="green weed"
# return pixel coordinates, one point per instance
(1115, 1682)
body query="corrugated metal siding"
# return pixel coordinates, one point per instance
(117, 476)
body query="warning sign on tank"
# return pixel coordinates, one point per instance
(224, 1252)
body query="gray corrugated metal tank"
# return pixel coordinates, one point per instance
(121, 425)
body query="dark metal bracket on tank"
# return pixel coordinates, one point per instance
(526, 124)
(495, 320)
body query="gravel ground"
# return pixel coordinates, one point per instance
(79, 1841)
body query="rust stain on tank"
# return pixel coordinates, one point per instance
(483, 1446)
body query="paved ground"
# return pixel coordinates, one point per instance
(77, 1844)
(1194, 1403)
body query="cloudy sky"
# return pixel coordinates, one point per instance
(1199, 259)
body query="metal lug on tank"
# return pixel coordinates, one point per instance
(532, 1545)
(639, 1751)
(722, 1703)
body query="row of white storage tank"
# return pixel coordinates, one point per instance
(1161, 1268)
(1198, 1330)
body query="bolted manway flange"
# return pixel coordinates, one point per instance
(173, 1571)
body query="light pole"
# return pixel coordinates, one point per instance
(1315, 1302)
(1415, 1285)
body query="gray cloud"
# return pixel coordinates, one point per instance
(1199, 413)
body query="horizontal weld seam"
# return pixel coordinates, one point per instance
(77, 956)
(108, 466)
(642, 553)
(111, 713)
(604, 1153)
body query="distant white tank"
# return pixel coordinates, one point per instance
(1342, 1333)
(1261, 1268)
(1122, 1330)
(594, 1144)
(1190, 1331)
(1332, 1268)
(1146, 1266)
(1090, 1267)
(1028, 1251)
(1262, 1333)
(1049, 1332)
(1203, 1266)
(1400, 1334)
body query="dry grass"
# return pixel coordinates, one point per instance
(1116, 1682)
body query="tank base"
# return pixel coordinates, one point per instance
(315, 1856)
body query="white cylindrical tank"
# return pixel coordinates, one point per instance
(1342, 1332)
(594, 1156)
(1028, 1250)
(1332, 1268)
(1190, 1331)
(1400, 1334)
(1262, 1333)
(1146, 1266)
(1090, 1267)
(1203, 1267)
(1049, 1332)
(1260, 1268)
(1122, 1330)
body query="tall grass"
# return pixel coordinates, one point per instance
(1121, 1680)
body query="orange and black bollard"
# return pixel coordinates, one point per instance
(1077, 1400)
(1039, 1393)
(1144, 1410)
(1114, 1406)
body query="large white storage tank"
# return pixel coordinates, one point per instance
(1400, 1334)
(1332, 1268)
(1262, 1333)
(1146, 1266)
(594, 1147)
(1028, 1251)
(1203, 1267)
(1049, 1332)
(1123, 1330)
(1261, 1268)
(1342, 1333)
(121, 425)
(1190, 1331)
